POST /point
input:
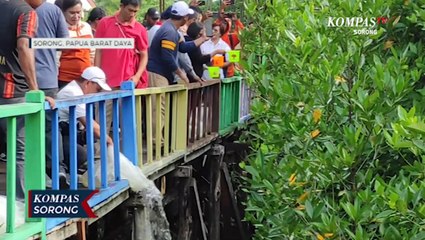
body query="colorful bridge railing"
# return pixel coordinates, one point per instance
(123, 100)
(245, 101)
(230, 103)
(161, 128)
(191, 117)
(203, 113)
(33, 112)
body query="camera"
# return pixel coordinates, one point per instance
(229, 14)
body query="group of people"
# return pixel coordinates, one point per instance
(194, 62)
(171, 48)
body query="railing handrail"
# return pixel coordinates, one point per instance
(231, 79)
(197, 85)
(156, 90)
(19, 109)
(89, 98)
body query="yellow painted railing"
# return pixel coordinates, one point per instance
(161, 123)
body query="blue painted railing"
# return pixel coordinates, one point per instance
(123, 99)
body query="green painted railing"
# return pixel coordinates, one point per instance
(33, 111)
(230, 101)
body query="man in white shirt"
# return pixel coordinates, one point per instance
(92, 80)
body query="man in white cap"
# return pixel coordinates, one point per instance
(163, 62)
(92, 80)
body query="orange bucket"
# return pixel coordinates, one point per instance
(218, 61)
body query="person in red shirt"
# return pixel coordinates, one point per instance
(122, 65)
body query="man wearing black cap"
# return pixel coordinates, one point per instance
(151, 18)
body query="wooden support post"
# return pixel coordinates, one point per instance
(142, 225)
(182, 172)
(216, 158)
(198, 205)
(185, 210)
(233, 200)
(163, 185)
(81, 229)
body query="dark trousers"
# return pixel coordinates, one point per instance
(20, 146)
(81, 150)
(62, 84)
(52, 93)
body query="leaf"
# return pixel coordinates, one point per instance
(388, 137)
(419, 143)
(290, 35)
(412, 112)
(357, 134)
(252, 171)
(268, 185)
(402, 113)
(379, 188)
(360, 233)
(418, 127)
(349, 209)
(309, 209)
(419, 236)
(403, 144)
(331, 147)
(384, 214)
(396, 21)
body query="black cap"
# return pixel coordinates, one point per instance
(166, 14)
(96, 14)
(153, 13)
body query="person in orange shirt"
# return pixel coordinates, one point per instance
(234, 25)
(73, 61)
(231, 35)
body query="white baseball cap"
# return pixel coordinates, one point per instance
(95, 74)
(181, 8)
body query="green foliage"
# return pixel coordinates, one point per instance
(111, 6)
(337, 156)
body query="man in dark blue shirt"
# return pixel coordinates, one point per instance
(163, 60)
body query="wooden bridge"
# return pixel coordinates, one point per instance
(195, 117)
